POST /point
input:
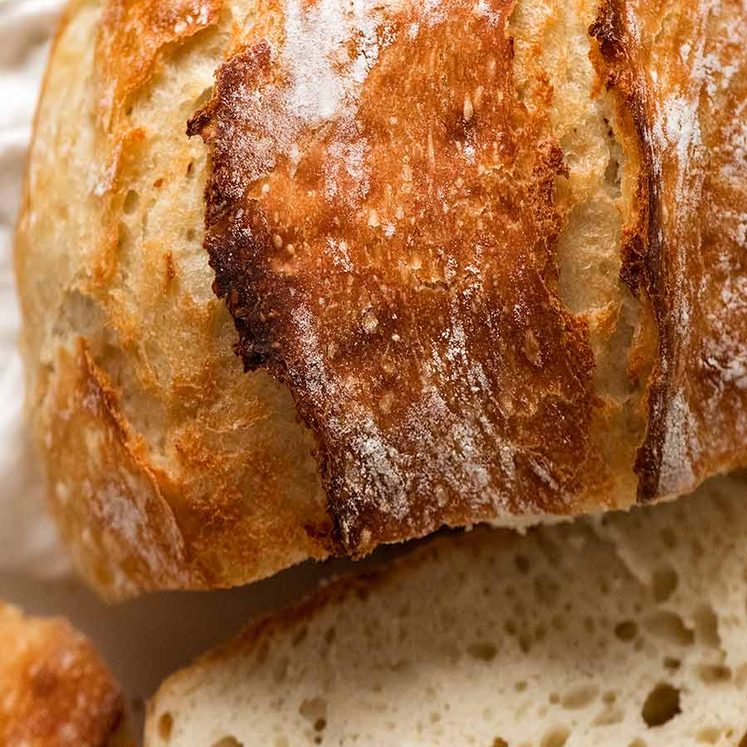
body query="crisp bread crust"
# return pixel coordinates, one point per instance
(679, 71)
(166, 467)
(447, 377)
(391, 256)
(399, 273)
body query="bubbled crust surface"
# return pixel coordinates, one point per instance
(167, 467)
(54, 689)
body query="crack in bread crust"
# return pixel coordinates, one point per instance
(390, 254)
(679, 70)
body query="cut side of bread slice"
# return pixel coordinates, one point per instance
(55, 690)
(629, 630)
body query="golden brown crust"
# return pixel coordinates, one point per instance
(216, 471)
(129, 526)
(400, 276)
(132, 36)
(162, 460)
(679, 70)
(56, 691)
(395, 265)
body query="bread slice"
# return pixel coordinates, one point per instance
(54, 689)
(485, 257)
(624, 631)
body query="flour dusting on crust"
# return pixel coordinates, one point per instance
(390, 254)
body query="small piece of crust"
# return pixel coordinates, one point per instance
(54, 689)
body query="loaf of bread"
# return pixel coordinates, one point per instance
(623, 632)
(54, 689)
(484, 260)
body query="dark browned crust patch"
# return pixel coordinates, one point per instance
(393, 261)
(679, 70)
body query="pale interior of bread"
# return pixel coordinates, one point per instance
(628, 630)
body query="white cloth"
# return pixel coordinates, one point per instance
(28, 541)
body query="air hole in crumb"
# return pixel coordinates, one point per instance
(708, 735)
(608, 717)
(669, 538)
(626, 630)
(661, 705)
(579, 697)
(520, 686)
(190, 168)
(165, 726)
(522, 563)
(300, 635)
(228, 742)
(556, 737)
(191, 234)
(131, 200)
(314, 710)
(637, 743)
(612, 174)
(670, 627)
(546, 589)
(696, 548)
(498, 742)
(664, 582)
(671, 663)
(281, 669)
(706, 625)
(712, 674)
(482, 651)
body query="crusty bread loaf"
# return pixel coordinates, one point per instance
(54, 689)
(624, 632)
(166, 466)
(491, 253)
